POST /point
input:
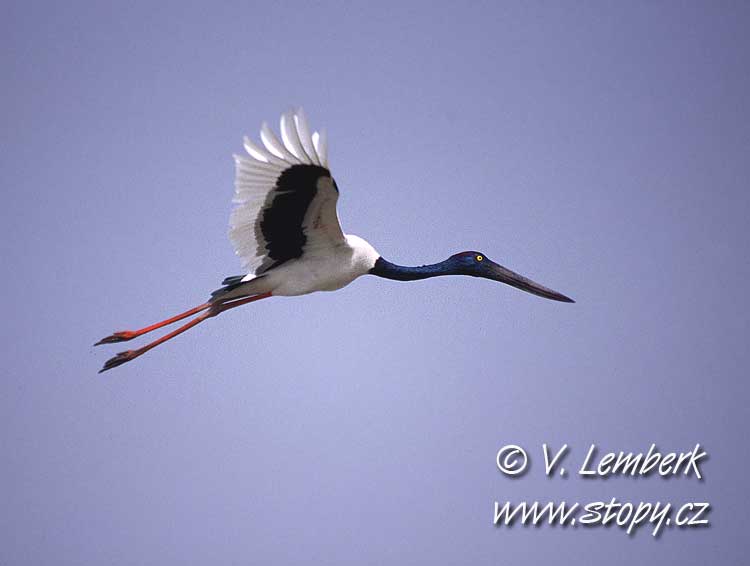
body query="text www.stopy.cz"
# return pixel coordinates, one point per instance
(626, 515)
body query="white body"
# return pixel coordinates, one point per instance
(322, 269)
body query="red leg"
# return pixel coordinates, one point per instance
(128, 355)
(125, 335)
(214, 309)
(231, 304)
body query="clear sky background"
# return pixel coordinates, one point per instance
(602, 149)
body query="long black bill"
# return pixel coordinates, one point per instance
(500, 273)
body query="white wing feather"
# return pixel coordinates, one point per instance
(300, 120)
(273, 144)
(321, 146)
(291, 138)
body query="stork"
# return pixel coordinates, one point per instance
(286, 232)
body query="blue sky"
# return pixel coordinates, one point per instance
(602, 149)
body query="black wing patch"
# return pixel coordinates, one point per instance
(278, 229)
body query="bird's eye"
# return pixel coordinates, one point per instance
(479, 258)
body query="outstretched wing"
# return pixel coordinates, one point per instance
(285, 197)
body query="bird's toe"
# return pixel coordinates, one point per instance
(122, 336)
(119, 359)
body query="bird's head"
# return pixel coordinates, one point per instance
(477, 264)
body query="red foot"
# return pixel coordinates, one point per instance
(120, 359)
(123, 336)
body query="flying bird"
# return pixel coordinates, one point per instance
(285, 230)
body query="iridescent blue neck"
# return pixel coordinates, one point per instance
(384, 268)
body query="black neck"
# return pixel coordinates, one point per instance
(384, 268)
